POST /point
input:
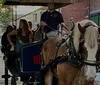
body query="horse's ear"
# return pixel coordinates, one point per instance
(81, 29)
(99, 30)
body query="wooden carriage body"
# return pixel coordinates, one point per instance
(31, 57)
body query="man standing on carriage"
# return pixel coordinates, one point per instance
(51, 19)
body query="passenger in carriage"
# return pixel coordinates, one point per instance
(23, 34)
(51, 19)
(30, 26)
(38, 35)
(31, 29)
(9, 54)
(4, 41)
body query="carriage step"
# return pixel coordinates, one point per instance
(6, 76)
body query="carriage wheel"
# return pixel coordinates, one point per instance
(13, 80)
(27, 84)
(24, 84)
(30, 84)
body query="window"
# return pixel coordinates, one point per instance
(95, 18)
(41, 13)
(99, 19)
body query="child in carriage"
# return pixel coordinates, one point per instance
(4, 41)
(6, 47)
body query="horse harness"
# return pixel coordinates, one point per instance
(71, 57)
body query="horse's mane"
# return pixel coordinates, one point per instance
(91, 34)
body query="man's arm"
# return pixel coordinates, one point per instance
(43, 20)
(43, 24)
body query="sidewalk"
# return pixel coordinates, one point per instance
(1, 69)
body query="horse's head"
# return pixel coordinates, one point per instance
(86, 33)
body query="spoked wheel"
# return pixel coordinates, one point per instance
(24, 84)
(27, 84)
(31, 84)
(13, 80)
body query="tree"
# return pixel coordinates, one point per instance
(5, 16)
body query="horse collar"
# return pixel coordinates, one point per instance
(74, 58)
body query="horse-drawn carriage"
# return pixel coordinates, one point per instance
(70, 57)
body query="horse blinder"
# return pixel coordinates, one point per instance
(81, 29)
(99, 30)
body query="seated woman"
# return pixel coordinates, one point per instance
(24, 35)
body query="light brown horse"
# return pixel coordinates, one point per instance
(66, 72)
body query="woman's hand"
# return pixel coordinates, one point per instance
(22, 43)
(12, 48)
(12, 44)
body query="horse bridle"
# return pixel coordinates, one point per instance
(89, 24)
(76, 59)
(89, 62)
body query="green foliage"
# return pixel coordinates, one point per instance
(5, 16)
(1, 1)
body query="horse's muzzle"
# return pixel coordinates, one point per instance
(89, 78)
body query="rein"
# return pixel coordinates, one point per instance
(52, 29)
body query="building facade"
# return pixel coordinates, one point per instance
(77, 11)
(89, 9)
(34, 17)
(82, 10)
(37, 15)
